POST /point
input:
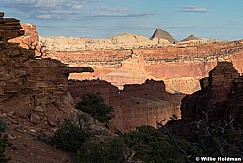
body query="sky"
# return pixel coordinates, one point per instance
(212, 19)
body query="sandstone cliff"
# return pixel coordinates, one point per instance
(118, 42)
(32, 89)
(135, 105)
(180, 66)
(30, 38)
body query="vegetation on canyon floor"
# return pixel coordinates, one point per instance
(145, 143)
(149, 144)
(94, 104)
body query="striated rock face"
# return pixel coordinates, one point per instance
(180, 66)
(135, 105)
(32, 89)
(118, 42)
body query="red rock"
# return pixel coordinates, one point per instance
(34, 88)
(134, 106)
(179, 66)
(30, 39)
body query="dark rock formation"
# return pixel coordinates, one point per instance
(134, 106)
(213, 95)
(159, 33)
(9, 28)
(220, 97)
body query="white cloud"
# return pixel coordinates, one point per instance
(46, 9)
(46, 16)
(54, 4)
(193, 9)
(112, 9)
(78, 6)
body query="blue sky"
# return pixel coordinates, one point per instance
(221, 19)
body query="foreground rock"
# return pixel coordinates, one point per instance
(213, 96)
(220, 98)
(35, 89)
(34, 97)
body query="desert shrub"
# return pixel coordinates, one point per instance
(111, 150)
(146, 144)
(94, 105)
(4, 143)
(152, 145)
(70, 136)
(2, 125)
(90, 152)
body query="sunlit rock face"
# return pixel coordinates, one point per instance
(131, 59)
(180, 66)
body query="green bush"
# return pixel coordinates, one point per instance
(108, 151)
(94, 105)
(152, 145)
(146, 144)
(2, 125)
(4, 142)
(70, 137)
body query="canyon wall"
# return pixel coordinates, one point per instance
(180, 65)
(135, 105)
(131, 59)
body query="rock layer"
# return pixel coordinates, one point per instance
(180, 66)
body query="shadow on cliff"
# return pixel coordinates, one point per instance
(220, 99)
(135, 105)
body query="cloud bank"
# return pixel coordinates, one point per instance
(193, 9)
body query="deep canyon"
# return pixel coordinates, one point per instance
(123, 64)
